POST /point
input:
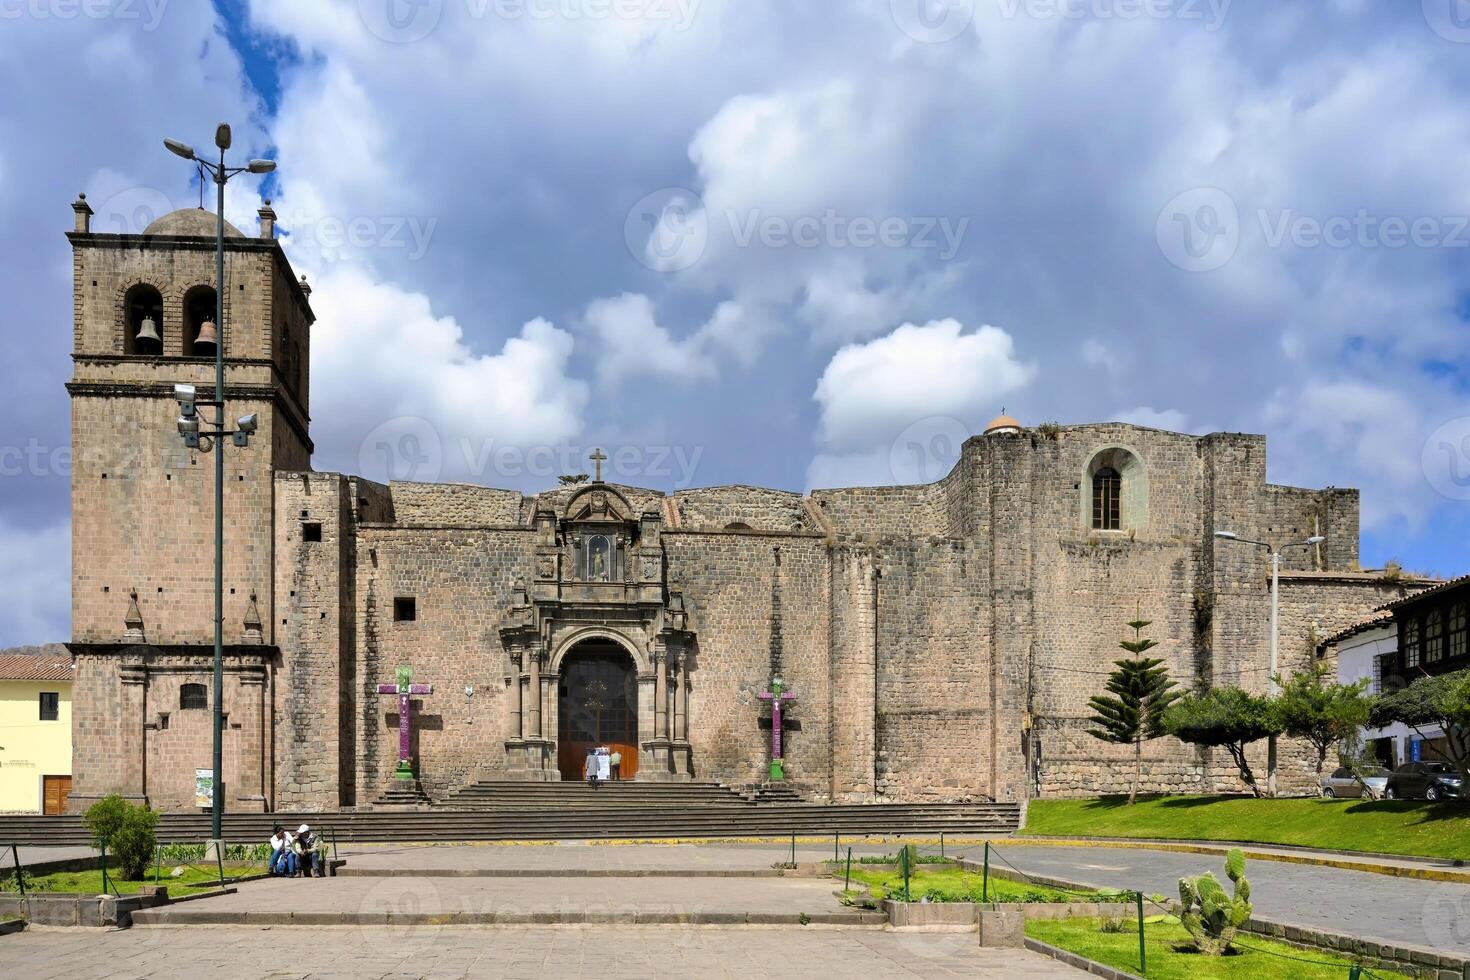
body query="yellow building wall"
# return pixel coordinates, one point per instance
(31, 748)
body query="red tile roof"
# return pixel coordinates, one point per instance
(48, 663)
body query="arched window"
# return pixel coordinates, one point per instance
(193, 697)
(1114, 491)
(199, 309)
(1107, 491)
(143, 315)
(1434, 637)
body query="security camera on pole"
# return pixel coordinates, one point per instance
(211, 435)
(1275, 554)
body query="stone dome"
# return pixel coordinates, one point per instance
(1002, 423)
(190, 221)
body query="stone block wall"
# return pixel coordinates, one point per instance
(461, 582)
(441, 504)
(757, 508)
(731, 582)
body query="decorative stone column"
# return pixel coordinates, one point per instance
(660, 693)
(518, 680)
(679, 751)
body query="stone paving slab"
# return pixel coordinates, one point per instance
(604, 953)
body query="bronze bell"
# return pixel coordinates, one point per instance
(208, 336)
(148, 330)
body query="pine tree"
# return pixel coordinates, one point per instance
(1140, 691)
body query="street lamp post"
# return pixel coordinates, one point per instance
(213, 438)
(1275, 555)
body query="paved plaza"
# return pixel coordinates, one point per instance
(605, 953)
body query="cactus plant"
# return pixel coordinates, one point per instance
(1210, 916)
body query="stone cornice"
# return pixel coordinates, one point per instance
(233, 392)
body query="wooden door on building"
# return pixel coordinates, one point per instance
(597, 706)
(54, 791)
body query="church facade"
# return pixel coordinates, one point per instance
(940, 641)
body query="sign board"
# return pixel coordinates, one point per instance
(204, 788)
(1416, 749)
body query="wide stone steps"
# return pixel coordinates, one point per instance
(564, 823)
(523, 795)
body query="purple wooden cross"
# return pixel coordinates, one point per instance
(777, 698)
(405, 692)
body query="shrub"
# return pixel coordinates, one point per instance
(1207, 914)
(126, 831)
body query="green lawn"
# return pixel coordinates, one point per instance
(1120, 950)
(192, 881)
(1388, 826)
(954, 885)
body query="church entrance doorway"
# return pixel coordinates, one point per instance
(597, 705)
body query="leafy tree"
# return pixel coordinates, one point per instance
(1140, 692)
(126, 831)
(1224, 717)
(1313, 707)
(571, 479)
(1442, 701)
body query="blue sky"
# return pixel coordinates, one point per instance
(783, 243)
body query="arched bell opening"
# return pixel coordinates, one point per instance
(201, 333)
(597, 706)
(143, 321)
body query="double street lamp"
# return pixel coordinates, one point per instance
(211, 436)
(1275, 554)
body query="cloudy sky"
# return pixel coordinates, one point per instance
(791, 243)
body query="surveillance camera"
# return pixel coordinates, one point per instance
(185, 395)
(188, 424)
(240, 439)
(248, 423)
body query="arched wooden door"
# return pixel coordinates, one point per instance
(597, 705)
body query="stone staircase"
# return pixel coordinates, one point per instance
(572, 811)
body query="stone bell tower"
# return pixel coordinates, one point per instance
(143, 504)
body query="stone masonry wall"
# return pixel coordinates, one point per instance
(462, 582)
(729, 581)
(762, 510)
(439, 504)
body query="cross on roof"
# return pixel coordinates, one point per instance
(597, 458)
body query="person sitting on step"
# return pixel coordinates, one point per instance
(308, 849)
(283, 859)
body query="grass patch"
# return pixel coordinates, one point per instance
(191, 882)
(955, 885)
(1386, 826)
(1166, 961)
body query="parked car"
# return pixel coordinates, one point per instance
(1342, 783)
(1423, 781)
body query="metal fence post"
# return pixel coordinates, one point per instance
(333, 832)
(20, 880)
(1355, 972)
(793, 848)
(904, 866)
(836, 847)
(105, 880)
(157, 863)
(848, 885)
(1142, 954)
(985, 876)
(941, 845)
(219, 861)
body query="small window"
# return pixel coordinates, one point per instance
(405, 609)
(193, 697)
(1411, 643)
(50, 706)
(311, 531)
(163, 721)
